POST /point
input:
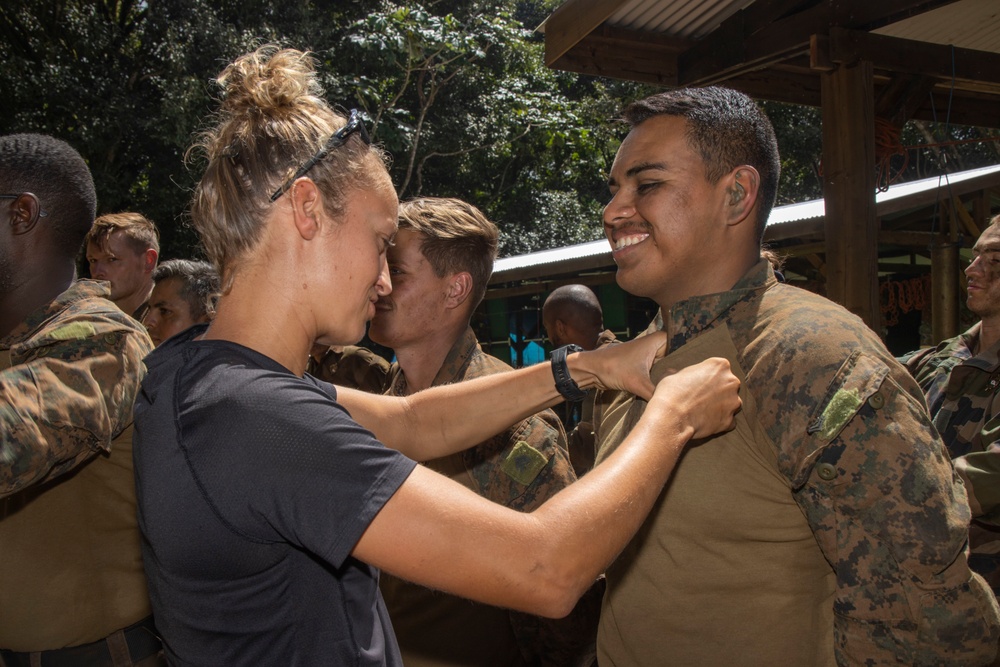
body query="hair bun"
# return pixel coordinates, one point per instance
(269, 80)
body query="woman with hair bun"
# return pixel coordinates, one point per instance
(267, 500)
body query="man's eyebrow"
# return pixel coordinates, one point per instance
(637, 169)
(989, 247)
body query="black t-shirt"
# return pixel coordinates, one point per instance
(253, 486)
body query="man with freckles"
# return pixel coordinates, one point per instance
(440, 265)
(828, 527)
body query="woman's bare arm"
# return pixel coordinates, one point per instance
(437, 533)
(443, 420)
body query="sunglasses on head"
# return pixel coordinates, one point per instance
(339, 138)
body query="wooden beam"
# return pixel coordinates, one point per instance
(849, 191)
(911, 239)
(572, 21)
(963, 218)
(749, 40)
(625, 54)
(901, 97)
(913, 57)
(944, 292)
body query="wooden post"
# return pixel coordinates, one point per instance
(944, 291)
(849, 190)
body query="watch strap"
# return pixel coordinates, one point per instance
(565, 384)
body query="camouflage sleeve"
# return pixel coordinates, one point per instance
(878, 488)
(64, 404)
(915, 358)
(981, 473)
(532, 466)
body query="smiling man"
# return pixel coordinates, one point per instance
(828, 527)
(961, 378)
(440, 265)
(122, 248)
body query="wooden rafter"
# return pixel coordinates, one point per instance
(572, 21)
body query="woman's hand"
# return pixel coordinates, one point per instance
(621, 366)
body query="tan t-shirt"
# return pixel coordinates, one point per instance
(724, 558)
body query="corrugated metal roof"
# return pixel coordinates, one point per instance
(970, 24)
(677, 18)
(594, 253)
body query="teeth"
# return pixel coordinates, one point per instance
(626, 241)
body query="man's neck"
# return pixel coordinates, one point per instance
(421, 361)
(132, 302)
(728, 274)
(989, 333)
(47, 283)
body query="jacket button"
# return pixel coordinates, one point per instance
(876, 400)
(826, 471)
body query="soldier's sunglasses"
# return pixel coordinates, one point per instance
(339, 138)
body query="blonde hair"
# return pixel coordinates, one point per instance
(456, 237)
(273, 118)
(139, 232)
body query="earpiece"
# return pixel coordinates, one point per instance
(736, 195)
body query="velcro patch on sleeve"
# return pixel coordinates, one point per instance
(524, 463)
(839, 411)
(74, 331)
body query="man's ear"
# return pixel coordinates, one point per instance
(149, 260)
(742, 189)
(307, 204)
(459, 289)
(25, 211)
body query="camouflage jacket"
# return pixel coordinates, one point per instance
(963, 395)
(520, 468)
(75, 370)
(840, 429)
(351, 366)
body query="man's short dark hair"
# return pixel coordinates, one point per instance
(727, 128)
(199, 284)
(54, 172)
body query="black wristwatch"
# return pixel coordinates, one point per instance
(567, 387)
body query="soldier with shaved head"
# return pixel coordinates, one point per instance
(72, 588)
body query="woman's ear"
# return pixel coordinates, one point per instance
(307, 205)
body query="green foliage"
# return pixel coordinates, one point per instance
(456, 91)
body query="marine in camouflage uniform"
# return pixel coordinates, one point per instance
(960, 379)
(827, 527)
(961, 387)
(520, 468)
(68, 535)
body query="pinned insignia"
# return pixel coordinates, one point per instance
(838, 412)
(73, 331)
(524, 463)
